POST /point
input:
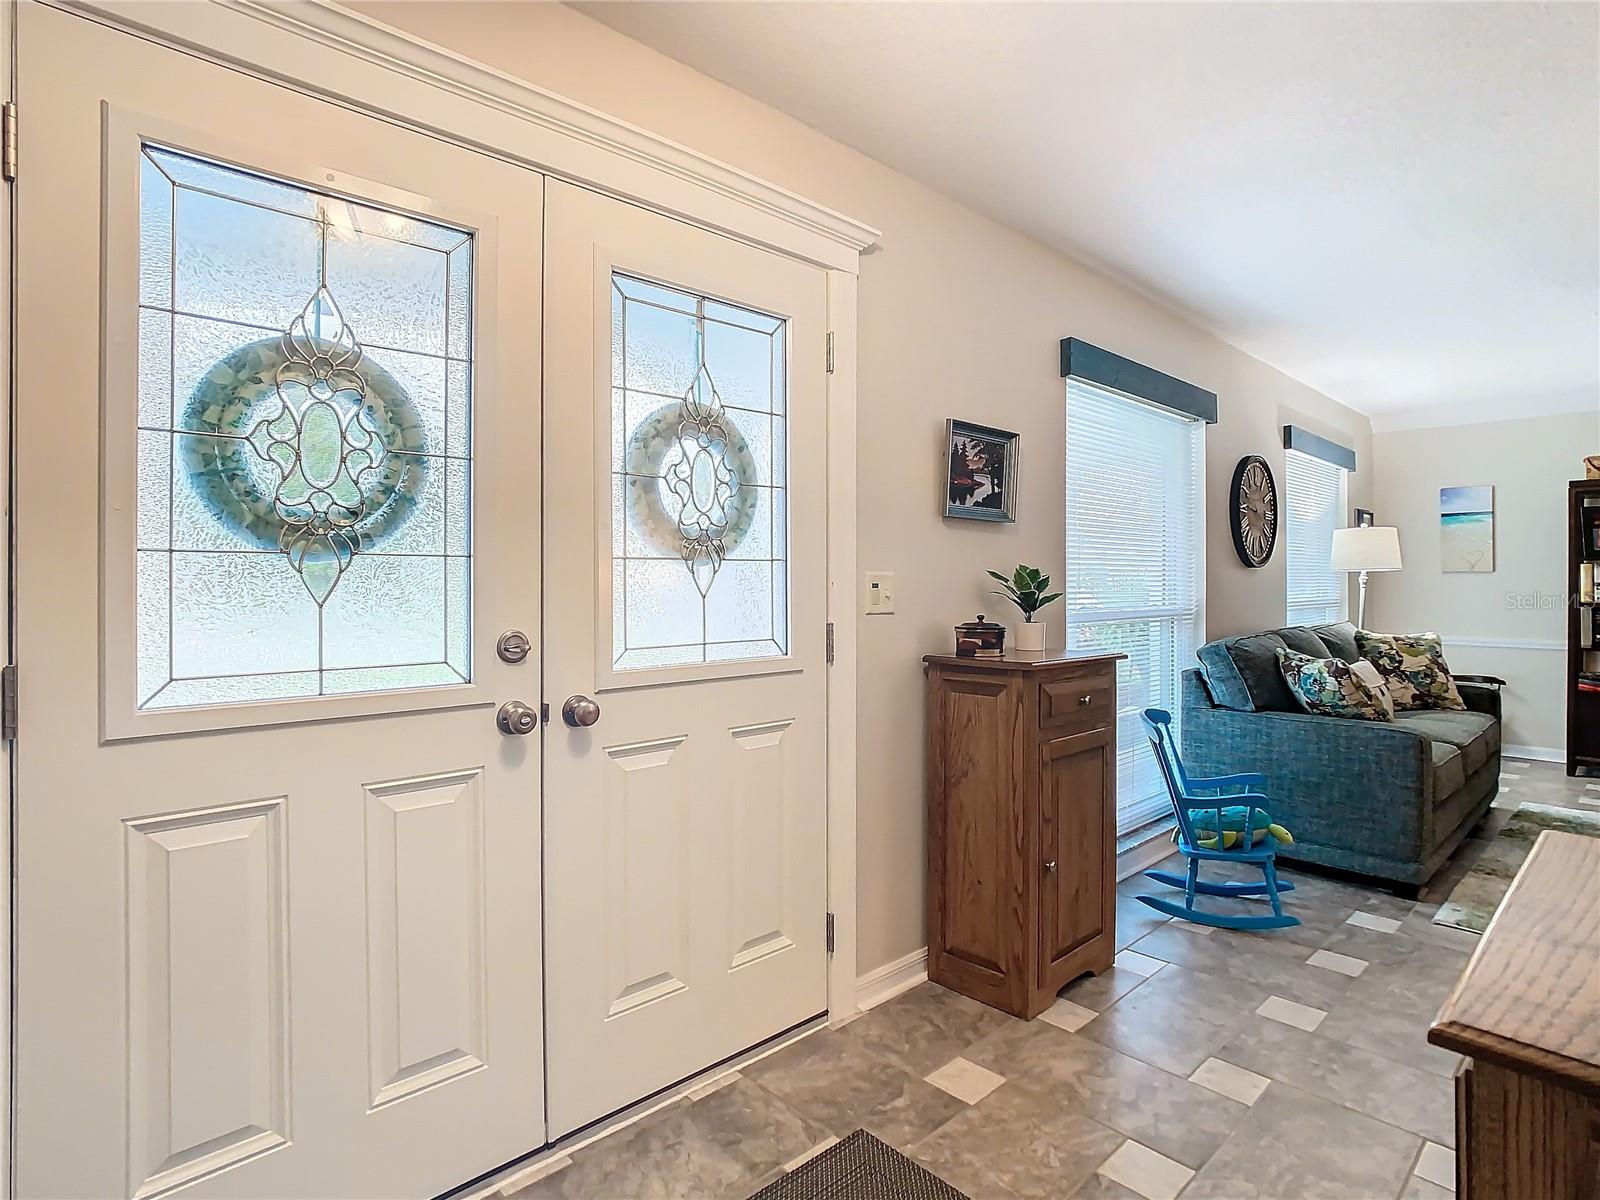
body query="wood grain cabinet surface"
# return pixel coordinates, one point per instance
(1526, 1013)
(1022, 826)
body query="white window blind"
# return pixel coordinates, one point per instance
(1135, 538)
(1314, 508)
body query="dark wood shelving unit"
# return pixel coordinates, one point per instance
(1583, 627)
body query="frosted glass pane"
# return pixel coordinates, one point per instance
(241, 263)
(155, 369)
(394, 293)
(698, 527)
(661, 350)
(238, 689)
(459, 326)
(155, 490)
(293, 534)
(740, 361)
(152, 623)
(379, 679)
(739, 607)
(423, 379)
(458, 401)
(155, 235)
(663, 607)
(385, 610)
(240, 614)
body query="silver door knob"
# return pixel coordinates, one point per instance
(516, 718)
(580, 712)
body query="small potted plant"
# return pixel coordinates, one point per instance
(1027, 588)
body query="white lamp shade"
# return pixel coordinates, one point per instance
(1366, 548)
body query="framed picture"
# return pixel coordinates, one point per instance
(981, 482)
(1466, 528)
(1364, 518)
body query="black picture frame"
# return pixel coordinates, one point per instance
(980, 482)
(1364, 518)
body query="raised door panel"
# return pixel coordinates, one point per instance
(979, 840)
(1076, 827)
(425, 932)
(207, 993)
(759, 913)
(645, 864)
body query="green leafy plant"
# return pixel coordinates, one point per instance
(1027, 588)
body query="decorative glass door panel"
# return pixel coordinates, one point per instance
(304, 456)
(699, 519)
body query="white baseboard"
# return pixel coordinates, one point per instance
(1146, 854)
(1553, 754)
(888, 981)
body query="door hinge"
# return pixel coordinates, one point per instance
(830, 643)
(8, 139)
(830, 933)
(8, 702)
(830, 352)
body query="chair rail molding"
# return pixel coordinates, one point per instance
(559, 136)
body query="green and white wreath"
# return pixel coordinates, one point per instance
(656, 443)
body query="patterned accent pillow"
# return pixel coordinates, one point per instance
(1329, 687)
(1414, 668)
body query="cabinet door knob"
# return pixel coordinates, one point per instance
(1085, 701)
(1050, 866)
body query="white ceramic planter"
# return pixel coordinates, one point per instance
(1028, 636)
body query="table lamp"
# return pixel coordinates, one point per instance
(1366, 548)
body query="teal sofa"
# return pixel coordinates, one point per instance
(1390, 800)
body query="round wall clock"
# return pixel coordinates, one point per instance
(1253, 511)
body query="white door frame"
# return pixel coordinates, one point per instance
(317, 47)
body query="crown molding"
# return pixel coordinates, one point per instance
(331, 26)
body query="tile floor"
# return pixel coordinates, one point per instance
(1207, 1064)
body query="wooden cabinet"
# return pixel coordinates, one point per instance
(1022, 826)
(1526, 1013)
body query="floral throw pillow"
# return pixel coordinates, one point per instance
(1331, 688)
(1414, 668)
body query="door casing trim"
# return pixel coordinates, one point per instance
(322, 49)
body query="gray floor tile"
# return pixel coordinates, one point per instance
(1017, 1139)
(833, 1083)
(1400, 1095)
(1294, 1144)
(924, 1028)
(1278, 967)
(1179, 1018)
(1099, 992)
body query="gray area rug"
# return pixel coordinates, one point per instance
(1474, 900)
(859, 1168)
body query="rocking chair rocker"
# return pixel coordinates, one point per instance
(1208, 811)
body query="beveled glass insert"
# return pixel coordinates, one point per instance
(699, 519)
(304, 463)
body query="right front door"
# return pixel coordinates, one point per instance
(685, 483)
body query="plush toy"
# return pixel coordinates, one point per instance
(1233, 819)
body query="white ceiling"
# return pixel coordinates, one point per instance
(1398, 204)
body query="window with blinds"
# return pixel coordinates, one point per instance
(1135, 558)
(1313, 508)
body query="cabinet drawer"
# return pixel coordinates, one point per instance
(1078, 700)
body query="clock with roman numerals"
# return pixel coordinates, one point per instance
(1253, 511)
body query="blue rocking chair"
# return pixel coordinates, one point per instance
(1207, 810)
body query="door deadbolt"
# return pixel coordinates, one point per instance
(513, 646)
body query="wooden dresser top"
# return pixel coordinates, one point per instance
(1024, 660)
(1530, 997)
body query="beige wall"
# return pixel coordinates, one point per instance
(1529, 463)
(959, 317)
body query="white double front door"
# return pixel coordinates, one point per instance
(312, 898)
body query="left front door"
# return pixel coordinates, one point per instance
(277, 430)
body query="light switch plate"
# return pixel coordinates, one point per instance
(879, 593)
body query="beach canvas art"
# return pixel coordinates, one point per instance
(1466, 528)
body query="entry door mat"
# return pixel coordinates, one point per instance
(859, 1168)
(1473, 901)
